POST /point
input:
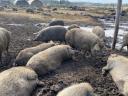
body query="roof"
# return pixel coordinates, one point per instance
(35, 3)
(21, 2)
(31, 1)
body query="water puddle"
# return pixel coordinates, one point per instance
(17, 25)
(109, 31)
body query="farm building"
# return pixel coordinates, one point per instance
(35, 3)
(21, 3)
(5, 3)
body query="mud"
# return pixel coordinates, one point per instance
(80, 70)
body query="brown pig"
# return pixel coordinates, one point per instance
(50, 59)
(25, 54)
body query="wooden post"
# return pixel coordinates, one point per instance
(117, 23)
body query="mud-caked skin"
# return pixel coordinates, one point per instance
(84, 40)
(17, 81)
(5, 36)
(55, 33)
(99, 31)
(82, 89)
(56, 22)
(50, 59)
(25, 54)
(117, 66)
(124, 42)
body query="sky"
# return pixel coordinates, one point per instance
(101, 1)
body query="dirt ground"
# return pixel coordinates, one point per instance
(80, 70)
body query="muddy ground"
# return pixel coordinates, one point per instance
(80, 70)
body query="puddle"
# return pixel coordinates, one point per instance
(41, 25)
(19, 25)
(109, 31)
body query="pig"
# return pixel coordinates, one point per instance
(73, 26)
(18, 81)
(25, 54)
(5, 36)
(80, 89)
(125, 42)
(84, 40)
(50, 59)
(54, 33)
(56, 22)
(99, 31)
(117, 66)
(29, 10)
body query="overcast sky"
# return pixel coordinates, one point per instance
(101, 1)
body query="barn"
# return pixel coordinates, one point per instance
(5, 3)
(21, 3)
(35, 3)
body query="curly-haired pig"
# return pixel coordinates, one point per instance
(99, 31)
(18, 81)
(50, 59)
(117, 66)
(5, 36)
(125, 42)
(80, 89)
(84, 40)
(73, 26)
(25, 54)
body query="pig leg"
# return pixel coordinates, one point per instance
(122, 47)
(127, 47)
(1, 57)
(7, 49)
(106, 70)
(83, 53)
(120, 85)
(86, 54)
(92, 52)
(7, 55)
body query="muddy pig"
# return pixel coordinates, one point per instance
(56, 22)
(25, 54)
(99, 31)
(50, 59)
(55, 33)
(117, 66)
(73, 26)
(17, 81)
(82, 89)
(5, 36)
(84, 40)
(125, 42)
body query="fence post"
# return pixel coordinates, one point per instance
(117, 23)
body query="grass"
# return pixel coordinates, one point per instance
(40, 17)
